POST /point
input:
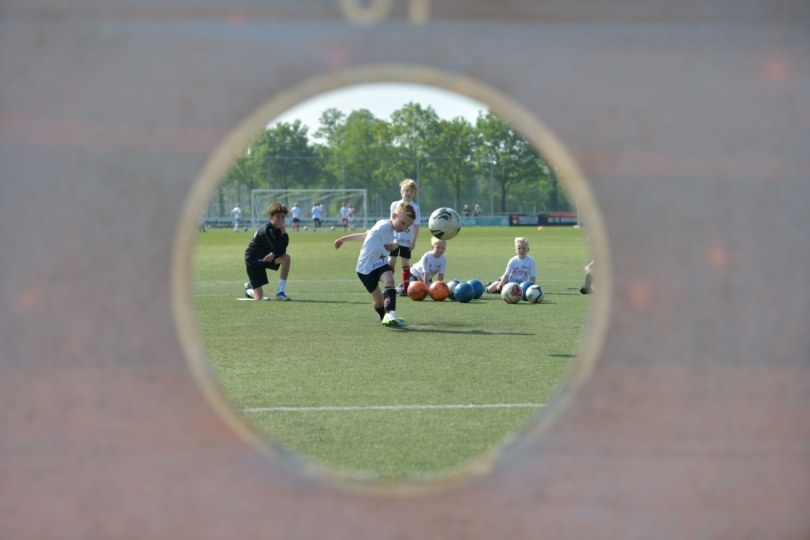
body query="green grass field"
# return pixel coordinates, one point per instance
(321, 376)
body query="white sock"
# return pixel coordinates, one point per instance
(282, 284)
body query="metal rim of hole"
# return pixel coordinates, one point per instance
(217, 165)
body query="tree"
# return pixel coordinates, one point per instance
(287, 157)
(514, 161)
(450, 164)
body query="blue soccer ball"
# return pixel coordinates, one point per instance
(463, 292)
(478, 288)
(524, 287)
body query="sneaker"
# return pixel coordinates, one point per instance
(392, 321)
(247, 288)
(401, 290)
(586, 290)
(282, 296)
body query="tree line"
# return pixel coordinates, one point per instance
(453, 161)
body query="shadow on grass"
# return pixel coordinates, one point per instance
(458, 329)
(302, 301)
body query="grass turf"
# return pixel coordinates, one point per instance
(312, 373)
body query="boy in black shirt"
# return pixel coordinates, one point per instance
(268, 249)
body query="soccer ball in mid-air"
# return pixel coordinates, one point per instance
(535, 294)
(417, 290)
(444, 223)
(511, 293)
(439, 290)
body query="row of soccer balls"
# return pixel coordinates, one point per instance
(464, 291)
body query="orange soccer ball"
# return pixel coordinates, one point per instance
(439, 290)
(417, 291)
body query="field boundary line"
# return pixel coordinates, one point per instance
(330, 408)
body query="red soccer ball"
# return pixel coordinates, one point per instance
(439, 290)
(417, 291)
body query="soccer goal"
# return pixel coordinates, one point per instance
(332, 201)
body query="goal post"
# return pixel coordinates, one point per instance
(331, 199)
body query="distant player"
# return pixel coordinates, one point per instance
(295, 211)
(372, 263)
(316, 211)
(352, 217)
(520, 268)
(344, 216)
(406, 240)
(236, 214)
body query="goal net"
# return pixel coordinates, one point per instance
(332, 200)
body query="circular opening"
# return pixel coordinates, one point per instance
(269, 369)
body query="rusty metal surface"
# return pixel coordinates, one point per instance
(691, 123)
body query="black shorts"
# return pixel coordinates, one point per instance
(257, 273)
(401, 251)
(372, 280)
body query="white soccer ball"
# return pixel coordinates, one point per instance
(535, 294)
(511, 293)
(444, 223)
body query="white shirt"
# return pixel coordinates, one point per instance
(519, 270)
(373, 254)
(406, 237)
(296, 212)
(316, 212)
(428, 266)
(236, 213)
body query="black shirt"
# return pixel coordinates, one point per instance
(267, 239)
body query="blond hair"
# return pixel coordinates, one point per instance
(407, 184)
(521, 240)
(436, 241)
(405, 209)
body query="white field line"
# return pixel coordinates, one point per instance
(396, 407)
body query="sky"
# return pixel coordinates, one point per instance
(382, 99)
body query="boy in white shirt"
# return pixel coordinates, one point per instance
(372, 263)
(406, 240)
(432, 264)
(520, 268)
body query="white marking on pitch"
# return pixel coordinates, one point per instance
(396, 407)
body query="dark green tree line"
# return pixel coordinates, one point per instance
(453, 161)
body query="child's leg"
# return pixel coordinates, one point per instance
(406, 274)
(389, 292)
(284, 271)
(377, 298)
(256, 293)
(587, 288)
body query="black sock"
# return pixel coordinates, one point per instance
(390, 299)
(380, 311)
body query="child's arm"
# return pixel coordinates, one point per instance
(415, 228)
(356, 236)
